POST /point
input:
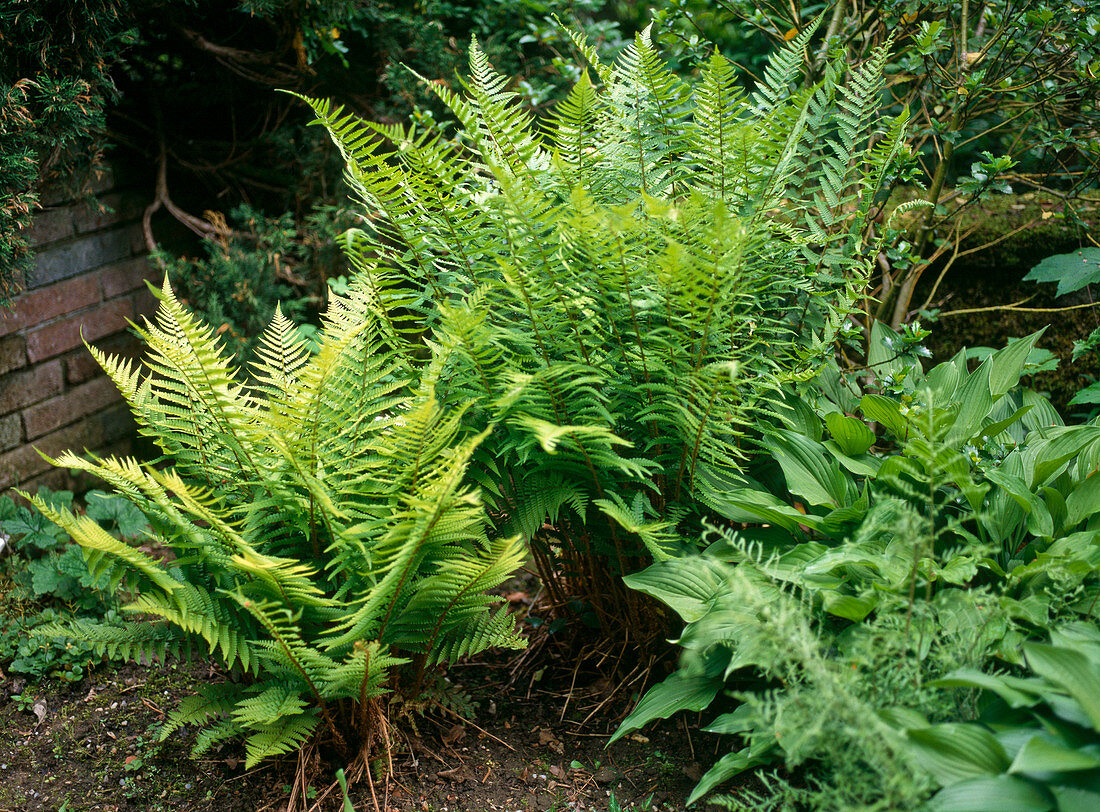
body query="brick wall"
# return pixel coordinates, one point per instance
(89, 279)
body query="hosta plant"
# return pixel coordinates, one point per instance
(312, 529)
(1036, 742)
(867, 565)
(615, 288)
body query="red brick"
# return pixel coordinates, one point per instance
(125, 276)
(53, 339)
(11, 432)
(17, 466)
(145, 303)
(81, 366)
(138, 246)
(68, 408)
(19, 389)
(63, 479)
(110, 209)
(13, 353)
(23, 463)
(38, 306)
(51, 225)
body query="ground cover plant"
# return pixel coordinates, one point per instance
(47, 580)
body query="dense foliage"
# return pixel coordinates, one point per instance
(182, 93)
(617, 293)
(321, 529)
(619, 334)
(862, 576)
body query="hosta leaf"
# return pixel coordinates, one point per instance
(690, 689)
(685, 585)
(852, 436)
(956, 752)
(971, 678)
(1042, 754)
(727, 767)
(1070, 670)
(1002, 793)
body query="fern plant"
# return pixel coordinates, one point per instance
(320, 534)
(618, 288)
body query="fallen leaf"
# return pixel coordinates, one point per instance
(455, 734)
(39, 709)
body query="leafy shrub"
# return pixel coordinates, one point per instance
(616, 290)
(321, 532)
(862, 577)
(50, 582)
(256, 263)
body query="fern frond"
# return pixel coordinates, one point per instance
(286, 734)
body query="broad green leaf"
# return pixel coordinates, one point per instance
(1077, 799)
(972, 678)
(1083, 502)
(686, 585)
(685, 689)
(727, 767)
(808, 470)
(942, 381)
(848, 607)
(975, 400)
(1056, 453)
(1042, 754)
(1071, 271)
(956, 752)
(1070, 670)
(1007, 364)
(746, 505)
(1087, 396)
(1042, 414)
(1002, 793)
(852, 436)
(991, 430)
(887, 412)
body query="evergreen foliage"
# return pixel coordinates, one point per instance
(321, 529)
(620, 286)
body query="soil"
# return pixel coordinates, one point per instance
(529, 734)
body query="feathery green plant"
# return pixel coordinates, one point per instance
(321, 530)
(617, 288)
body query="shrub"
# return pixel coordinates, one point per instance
(318, 532)
(49, 581)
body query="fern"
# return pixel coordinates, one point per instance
(617, 290)
(323, 532)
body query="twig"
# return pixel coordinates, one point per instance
(1015, 309)
(475, 727)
